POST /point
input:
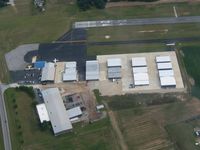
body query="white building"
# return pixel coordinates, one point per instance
(70, 73)
(139, 62)
(167, 82)
(162, 59)
(92, 70)
(74, 112)
(56, 110)
(48, 72)
(114, 62)
(42, 112)
(164, 66)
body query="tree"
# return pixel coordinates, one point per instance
(87, 4)
(3, 3)
(100, 4)
(84, 4)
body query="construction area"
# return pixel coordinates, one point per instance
(139, 73)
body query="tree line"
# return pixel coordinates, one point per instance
(87, 4)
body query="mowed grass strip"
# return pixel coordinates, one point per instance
(98, 135)
(144, 32)
(125, 48)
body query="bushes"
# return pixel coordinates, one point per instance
(87, 4)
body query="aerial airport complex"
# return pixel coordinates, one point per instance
(119, 74)
(129, 73)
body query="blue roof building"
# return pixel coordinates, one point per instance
(39, 64)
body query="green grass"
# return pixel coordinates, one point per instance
(144, 32)
(191, 59)
(1, 139)
(125, 48)
(142, 120)
(25, 25)
(98, 135)
(183, 135)
(138, 100)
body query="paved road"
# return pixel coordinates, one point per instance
(144, 21)
(4, 120)
(149, 41)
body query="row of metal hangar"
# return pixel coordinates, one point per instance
(139, 70)
(164, 68)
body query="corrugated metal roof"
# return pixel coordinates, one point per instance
(167, 81)
(114, 62)
(74, 112)
(48, 72)
(140, 70)
(57, 113)
(70, 64)
(92, 70)
(140, 83)
(42, 112)
(141, 77)
(163, 66)
(114, 72)
(166, 73)
(160, 59)
(139, 61)
(70, 73)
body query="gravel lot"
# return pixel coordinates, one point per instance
(15, 58)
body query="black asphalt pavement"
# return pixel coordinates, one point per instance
(4, 120)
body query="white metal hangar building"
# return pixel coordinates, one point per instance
(56, 110)
(42, 112)
(114, 68)
(165, 71)
(92, 70)
(140, 71)
(48, 72)
(70, 73)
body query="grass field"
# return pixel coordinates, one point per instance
(1, 139)
(191, 59)
(125, 48)
(143, 124)
(26, 133)
(183, 134)
(23, 24)
(144, 32)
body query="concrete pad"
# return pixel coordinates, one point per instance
(107, 87)
(60, 67)
(15, 58)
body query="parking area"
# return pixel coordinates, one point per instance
(32, 76)
(122, 86)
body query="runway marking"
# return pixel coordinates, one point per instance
(175, 13)
(152, 31)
